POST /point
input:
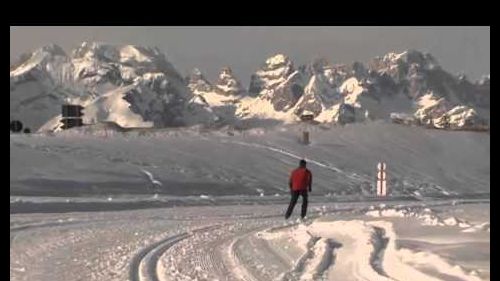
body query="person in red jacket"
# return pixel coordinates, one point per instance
(300, 183)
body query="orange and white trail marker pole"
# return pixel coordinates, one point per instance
(381, 179)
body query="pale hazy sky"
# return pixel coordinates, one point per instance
(244, 49)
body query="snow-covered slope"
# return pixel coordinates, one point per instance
(228, 84)
(35, 93)
(221, 98)
(198, 84)
(130, 85)
(390, 86)
(285, 93)
(278, 82)
(461, 118)
(416, 74)
(262, 108)
(317, 97)
(343, 160)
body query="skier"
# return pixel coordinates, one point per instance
(300, 183)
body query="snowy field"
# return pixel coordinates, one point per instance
(338, 242)
(190, 204)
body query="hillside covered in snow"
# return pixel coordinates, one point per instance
(130, 85)
(195, 162)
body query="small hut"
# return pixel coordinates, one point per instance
(71, 116)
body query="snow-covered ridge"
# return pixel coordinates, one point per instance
(148, 90)
(409, 82)
(228, 84)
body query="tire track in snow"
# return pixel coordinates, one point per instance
(143, 265)
(237, 266)
(31, 226)
(198, 253)
(234, 260)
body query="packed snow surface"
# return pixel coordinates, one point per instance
(238, 242)
(194, 204)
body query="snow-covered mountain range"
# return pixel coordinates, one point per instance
(129, 85)
(136, 86)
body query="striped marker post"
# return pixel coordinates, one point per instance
(381, 179)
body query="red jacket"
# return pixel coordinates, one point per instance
(300, 179)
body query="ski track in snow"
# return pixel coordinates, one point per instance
(143, 265)
(151, 178)
(352, 176)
